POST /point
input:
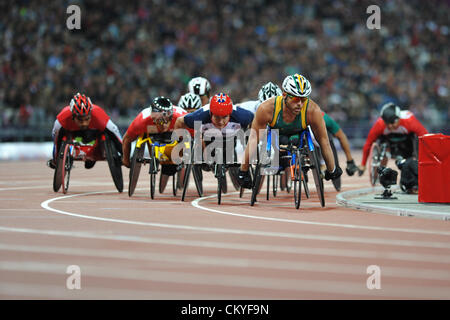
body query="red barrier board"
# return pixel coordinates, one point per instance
(434, 168)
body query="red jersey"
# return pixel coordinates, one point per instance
(99, 119)
(143, 123)
(408, 124)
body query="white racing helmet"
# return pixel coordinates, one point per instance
(199, 86)
(269, 90)
(296, 85)
(190, 101)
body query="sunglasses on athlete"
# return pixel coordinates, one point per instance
(297, 99)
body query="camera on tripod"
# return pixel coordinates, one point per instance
(388, 177)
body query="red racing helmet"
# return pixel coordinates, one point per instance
(221, 105)
(80, 105)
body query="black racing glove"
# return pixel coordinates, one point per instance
(333, 175)
(351, 167)
(244, 179)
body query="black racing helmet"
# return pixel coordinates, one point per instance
(390, 112)
(164, 105)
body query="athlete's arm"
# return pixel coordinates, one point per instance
(126, 147)
(55, 135)
(344, 144)
(374, 133)
(179, 124)
(320, 132)
(114, 129)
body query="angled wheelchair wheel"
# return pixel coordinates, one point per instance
(297, 180)
(268, 188)
(318, 180)
(374, 163)
(114, 160)
(233, 173)
(174, 184)
(65, 168)
(186, 180)
(275, 184)
(198, 179)
(135, 168)
(153, 171)
(257, 177)
(336, 182)
(287, 175)
(57, 175)
(305, 183)
(163, 180)
(220, 174)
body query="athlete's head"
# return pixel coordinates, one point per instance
(390, 113)
(296, 89)
(190, 102)
(201, 87)
(81, 107)
(269, 90)
(220, 108)
(162, 110)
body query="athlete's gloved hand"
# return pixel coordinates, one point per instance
(51, 164)
(351, 167)
(333, 175)
(244, 179)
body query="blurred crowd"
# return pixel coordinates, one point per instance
(127, 52)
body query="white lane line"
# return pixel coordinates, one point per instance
(196, 204)
(237, 281)
(48, 186)
(232, 262)
(46, 203)
(58, 292)
(296, 250)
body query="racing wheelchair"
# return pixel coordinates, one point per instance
(76, 149)
(302, 158)
(157, 147)
(390, 147)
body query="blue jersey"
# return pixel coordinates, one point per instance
(239, 119)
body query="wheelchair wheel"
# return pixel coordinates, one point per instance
(287, 174)
(57, 175)
(135, 168)
(220, 174)
(336, 182)
(65, 168)
(256, 183)
(305, 183)
(163, 179)
(186, 180)
(374, 163)
(198, 179)
(275, 184)
(297, 180)
(174, 184)
(233, 173)
(153, 171)
(268, 188)
(114, 162)
(315, 168)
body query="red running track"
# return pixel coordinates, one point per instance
(138, 248)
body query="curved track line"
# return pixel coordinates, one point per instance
(45, 205)
(195, 203)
